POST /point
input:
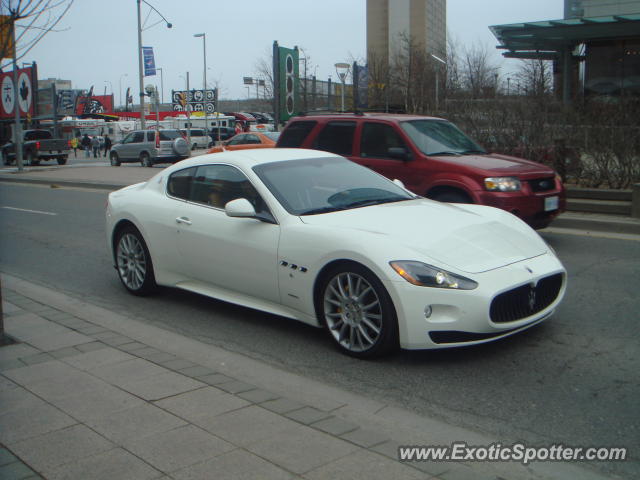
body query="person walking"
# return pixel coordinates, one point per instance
(107, 144)
(86, 145)
(74, 144)
(95, 145)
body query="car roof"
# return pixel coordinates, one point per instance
(392, 117)
(251, 157)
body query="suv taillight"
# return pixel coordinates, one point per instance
(37, 145)
(157, 139)
(69, 143)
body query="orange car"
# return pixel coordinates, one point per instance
(246, 140)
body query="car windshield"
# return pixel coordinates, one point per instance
(439, 137)
(169, 134)
(272, 135)
(322, 185)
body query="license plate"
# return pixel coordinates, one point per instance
(551, 203)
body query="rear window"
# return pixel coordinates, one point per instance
(337, 137)
(295, 134)
(37, 135)
(169, 134)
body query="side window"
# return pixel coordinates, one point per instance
(238, 140)
(151, 136)
(137, 137)
(217, 185)
(295, 134)
(378, 138)
(253, 139)
(128, 138)
(179, 184)
(337, 137)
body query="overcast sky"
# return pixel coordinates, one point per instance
(97, 44)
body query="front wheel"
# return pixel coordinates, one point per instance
(133, 262)
(358, 312)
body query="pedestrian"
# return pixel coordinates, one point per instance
(107, 144)
(95, 145)
(74, 144)
(86, 145)
(238, 128)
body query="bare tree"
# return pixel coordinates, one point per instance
(536, 77)
(32, 20)
(478, 73)
(413, 74)
(263, 69)
(453, 84)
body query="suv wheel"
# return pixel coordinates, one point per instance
(145, 159)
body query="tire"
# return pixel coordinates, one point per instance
(62, 160)
(451, 197)
(357, 311)
(5, 158)
(31, 159)
(133, 262)
(193, 147)
(115, 160)
(145, 159)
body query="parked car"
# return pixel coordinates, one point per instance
(312, 236)
(150, 147)
(434, 159)
(37, 146)
(243, 141)
(199, 139)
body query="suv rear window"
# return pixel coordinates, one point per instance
(295, 134)
(337, 137)
(169, 134)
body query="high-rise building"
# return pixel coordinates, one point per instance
(599, 8)
(388, 21)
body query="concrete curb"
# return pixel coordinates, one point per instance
(598, 223)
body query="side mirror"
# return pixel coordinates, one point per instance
(399, 183)
(240, 207)
(398, 152)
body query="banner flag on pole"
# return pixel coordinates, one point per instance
(149, 62)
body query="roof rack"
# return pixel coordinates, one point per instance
(327, 112)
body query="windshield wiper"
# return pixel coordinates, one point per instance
(469, 152)
(379, 201)
(316, 211)
(443, 153)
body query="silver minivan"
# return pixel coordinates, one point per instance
(150, 147)
(199, 139)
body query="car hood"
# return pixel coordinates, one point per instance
(471, 239)
(500, 165)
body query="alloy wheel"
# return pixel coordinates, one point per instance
(132, 262)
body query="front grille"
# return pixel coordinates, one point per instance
(526, 300)
(542, 184)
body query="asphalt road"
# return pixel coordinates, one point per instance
(575, 379)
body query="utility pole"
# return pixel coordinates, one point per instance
(188, 115)
(17, 129)
(140, 70)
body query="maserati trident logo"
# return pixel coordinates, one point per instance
(528, 269)
(532, 298)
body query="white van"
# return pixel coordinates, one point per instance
(199, 139)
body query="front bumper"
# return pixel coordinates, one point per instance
(462, 317)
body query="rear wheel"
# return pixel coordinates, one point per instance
(358, 312)
(145, 159)
(5, 158)
(115, 160)
(133, 262)
(62, 160)
(32, 159)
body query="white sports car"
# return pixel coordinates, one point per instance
(312, 236)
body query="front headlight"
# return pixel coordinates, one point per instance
(424, 275)
(502, 184)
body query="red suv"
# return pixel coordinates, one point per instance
(434, 158)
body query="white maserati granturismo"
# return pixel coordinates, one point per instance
(312, 236)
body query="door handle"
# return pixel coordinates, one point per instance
(184, 220)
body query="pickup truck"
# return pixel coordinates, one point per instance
(37, 146)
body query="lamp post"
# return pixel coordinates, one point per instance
(204, 80)
(161, 85)
(120, 85)
(342, 69)
(140, 65)
(438, 80)
(105, 86)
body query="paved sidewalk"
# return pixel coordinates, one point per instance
(92, 394)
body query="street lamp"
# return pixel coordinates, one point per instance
(342, 69)
(105, 87)
(204, 80)
(161, 85)
(140, 69)
(120, 85)
(438, 80)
